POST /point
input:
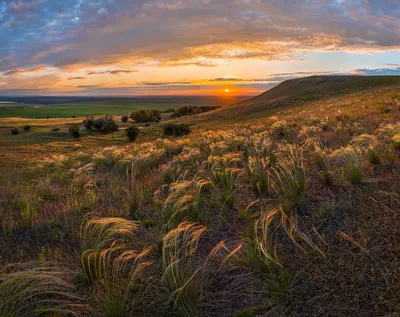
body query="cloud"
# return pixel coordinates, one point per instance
(227, 79)
(113, 72)
(87, 86)
(163, 83)
(76, 78)
(171, 32)
(378, 72)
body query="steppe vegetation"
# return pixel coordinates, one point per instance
(295, 213)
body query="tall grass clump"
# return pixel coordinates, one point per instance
(280, 129)
(98, 234)
(184, 202)
(259, 253)
(224, 179)
(74, 130)
(389, 134)
(124, 282)
(370, 145)
(32, 290)
(289, 178)
(184, 278)
(257, 170)
(351, 160)
(320, 157)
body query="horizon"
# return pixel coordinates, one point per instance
(168, 47)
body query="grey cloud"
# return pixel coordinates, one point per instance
(102, 32)
(113, 72)
(163, 83)
(378, 72)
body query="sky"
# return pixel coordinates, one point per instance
(190, 47)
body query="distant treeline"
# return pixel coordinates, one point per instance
(189, 110)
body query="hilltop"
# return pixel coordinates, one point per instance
(302, 91)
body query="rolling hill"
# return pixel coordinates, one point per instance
(296, 92)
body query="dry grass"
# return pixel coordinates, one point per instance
(275, 190)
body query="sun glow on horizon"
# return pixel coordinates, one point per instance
(227, 90)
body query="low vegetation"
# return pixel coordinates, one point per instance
(176, 129)
(190, 110)
(291, 214)
(145, 115)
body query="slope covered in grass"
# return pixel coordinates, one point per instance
(295, 214)
(299, 91)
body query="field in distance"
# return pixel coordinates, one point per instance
(64, 107)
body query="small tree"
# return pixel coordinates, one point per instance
(105, 125)
(132, 133)
(15, 130)
(74, 130)
(143, 115)
(124, 118)
(27, 127)
(88, 122)
(176, 129)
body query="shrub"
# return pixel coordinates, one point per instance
(145, 115)
(105, 125)
(132, 133)
(55, 129)
(27, 127)
(74, 130)
(15, 130)
(88, 122)
(176, 129)
(124, 118)
(189, 110)
(156, 113)
(280, 129)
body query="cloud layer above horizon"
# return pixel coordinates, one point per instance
(176, 46)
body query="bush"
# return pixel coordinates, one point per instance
(88, 122)
(27, 127)
(124, 118)
(156, 114)
(189, 110)
(105, 125)
(15, 130)
(143, 115)
(176, 129)
(280, 129)
(132, 133)
(74, 130)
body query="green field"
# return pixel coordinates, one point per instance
(112, 106)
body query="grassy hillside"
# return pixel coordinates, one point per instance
(292, 212)
(299, 91)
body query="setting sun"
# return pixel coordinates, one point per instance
(227, 90)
